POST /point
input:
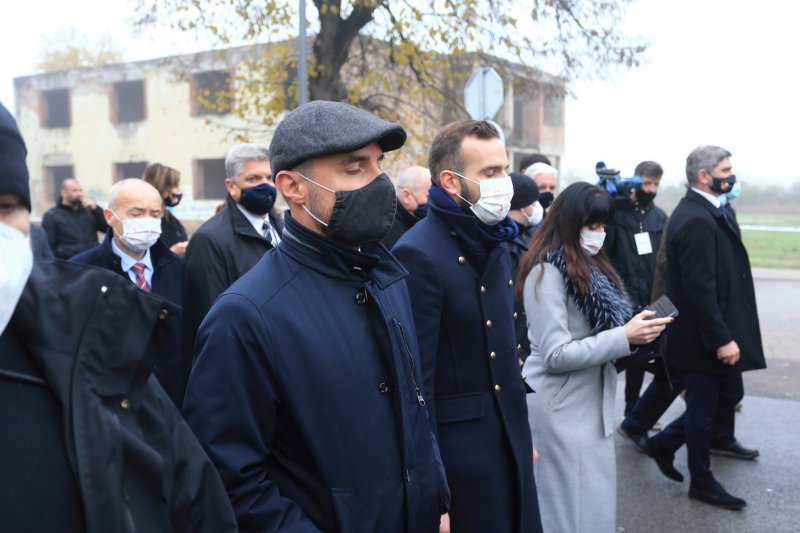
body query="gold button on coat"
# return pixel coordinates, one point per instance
(515, 315)
(461, 260)
(489, 324)
(511, 283)
(492, 355)
(497, 388)
(124, 404)
(483, 289)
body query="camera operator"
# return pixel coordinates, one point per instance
(632, 240)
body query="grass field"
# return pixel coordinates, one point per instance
(769, 219)
(772, 249)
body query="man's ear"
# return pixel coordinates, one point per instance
(291, 186)
(108, 215)
(230, 186)
(450, 182)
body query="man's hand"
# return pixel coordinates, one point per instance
(729, 353)
(179, 248)
(444, 523)
(89, 203)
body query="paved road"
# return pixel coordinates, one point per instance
(769, 421)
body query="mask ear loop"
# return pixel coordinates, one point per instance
(466, 178)
(312, 215)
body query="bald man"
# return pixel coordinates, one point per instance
(72, 225)
(412, 202)
(132, 249)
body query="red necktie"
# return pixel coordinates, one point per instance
(141, 281)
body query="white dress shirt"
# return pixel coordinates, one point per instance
(258, 222)
(126, 262)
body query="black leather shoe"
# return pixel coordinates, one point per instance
(638, 440)
(735, 450)
(718, 497)
(664, 462)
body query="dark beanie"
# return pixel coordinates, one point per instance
(13, 171)
(525, 190)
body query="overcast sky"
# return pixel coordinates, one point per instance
(717, 72)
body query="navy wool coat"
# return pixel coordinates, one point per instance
(306, 394)
(463, 301)
(710, 282)
(173, 358)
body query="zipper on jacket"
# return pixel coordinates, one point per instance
(420, 399)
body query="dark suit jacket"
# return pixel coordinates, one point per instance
(220, 252)
(173, 358)
(462, 295)
(710, 282)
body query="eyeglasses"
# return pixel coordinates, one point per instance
(6, 208)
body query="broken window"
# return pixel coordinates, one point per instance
(210, 179)
(55, 109)
(211, 93)
(554, 110)
(127, 101)
(129, 170)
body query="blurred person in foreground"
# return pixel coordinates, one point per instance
(89, 440)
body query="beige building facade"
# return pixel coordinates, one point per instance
(106, 123)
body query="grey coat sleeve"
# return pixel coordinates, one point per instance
(549, 317)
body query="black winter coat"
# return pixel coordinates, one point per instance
(89, 440)
(174, 359)
(403, 221)
(71, 231)
(463, 300)
(710, 282)
(306, 394)
(221, 251)
(172, 231)
(637, 271)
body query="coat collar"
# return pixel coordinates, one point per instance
(695, 196)
(330, 259)
(160, 255)
(239, 222)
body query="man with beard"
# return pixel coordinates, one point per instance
(307, 390)
(72, 225)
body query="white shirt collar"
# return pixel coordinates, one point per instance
(126, 261)
(256, 220)
(710, 197)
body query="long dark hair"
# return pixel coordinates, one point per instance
(580, 204)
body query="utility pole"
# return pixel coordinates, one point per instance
(302, 58)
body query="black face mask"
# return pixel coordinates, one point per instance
(259, 199)
(645, 198)
(723, 185)
(173, 200)
(421, 211)
(545, 199)
(361, 216)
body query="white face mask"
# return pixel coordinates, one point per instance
(495, 201)
(592, 241)
(139, 234)
(16, 263)
(537, 214)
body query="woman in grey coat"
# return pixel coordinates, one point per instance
(578, 324)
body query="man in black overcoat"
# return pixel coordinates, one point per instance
(717, 335)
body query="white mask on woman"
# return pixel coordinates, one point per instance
(537, 214)
(495, 201)
(16, 263)
(592, 241)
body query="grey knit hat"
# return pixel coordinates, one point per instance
(321, 128)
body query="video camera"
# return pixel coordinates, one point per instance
(610, 180)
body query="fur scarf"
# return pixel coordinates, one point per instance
(606, 307)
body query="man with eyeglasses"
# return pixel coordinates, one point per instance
(462, 287)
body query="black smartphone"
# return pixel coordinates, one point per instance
(663, 308)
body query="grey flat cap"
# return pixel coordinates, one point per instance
(322, 128)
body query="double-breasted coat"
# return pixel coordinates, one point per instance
(462, 293)
(710, 282)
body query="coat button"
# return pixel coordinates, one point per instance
(519, 347)
(125, 404)
(453, 234)
(524, 378)
(497, 388)
(461, 260)
(489, 324)
(492, 355)
(515, 315)
(163, 314)
(104, 289)
(511, 283)
(383, 387)
(483, 289)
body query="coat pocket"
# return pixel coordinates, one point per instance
(459, 408)
(557, 398)
(344, 507)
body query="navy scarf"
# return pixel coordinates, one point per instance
(504, 231)
(606, 307)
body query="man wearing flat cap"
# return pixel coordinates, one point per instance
(307, 391)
